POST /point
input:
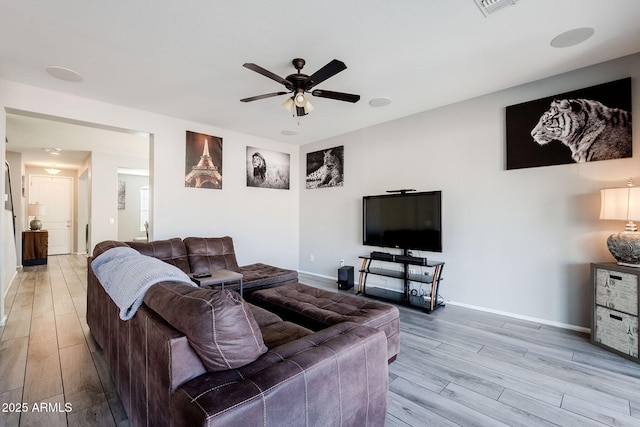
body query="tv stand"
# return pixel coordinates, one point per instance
(430, 302)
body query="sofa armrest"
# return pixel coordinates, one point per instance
(336, 376)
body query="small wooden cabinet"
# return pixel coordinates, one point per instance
(615, 314)
(35, 247)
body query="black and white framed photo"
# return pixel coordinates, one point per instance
(268, 169)
(203, 164)
(584, 125)
(122, 194)
(325, 168)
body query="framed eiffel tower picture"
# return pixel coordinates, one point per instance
(203, 162)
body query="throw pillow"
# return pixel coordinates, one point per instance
(218, 324)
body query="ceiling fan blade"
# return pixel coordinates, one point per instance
(340, 96)
(258, 69)
(329, 70)
(266, 95)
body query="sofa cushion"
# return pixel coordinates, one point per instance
(102, 247)
(263, 317)
(210, 253)
(260, 275)
(218, 323)
(171, 251)
(277, 334)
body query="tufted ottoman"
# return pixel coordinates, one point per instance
(317, 309)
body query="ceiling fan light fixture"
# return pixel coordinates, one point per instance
(288, 104)
(300, 100)
(52, 170)
(308, 107)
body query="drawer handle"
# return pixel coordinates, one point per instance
(613, 316)
(611, 276)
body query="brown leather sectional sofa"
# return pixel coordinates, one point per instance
(202, 357)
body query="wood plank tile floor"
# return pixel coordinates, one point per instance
(456, 367)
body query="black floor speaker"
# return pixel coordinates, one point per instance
(345, 277)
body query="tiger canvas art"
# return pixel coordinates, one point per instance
(591, 130)
(585, 125)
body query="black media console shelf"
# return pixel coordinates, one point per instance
(429, 302)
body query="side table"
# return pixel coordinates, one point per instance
(218, 277)
(35, 247)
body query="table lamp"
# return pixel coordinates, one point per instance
(34, 210)
(623, 204)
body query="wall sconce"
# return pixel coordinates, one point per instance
(35, 210)
(623, 204)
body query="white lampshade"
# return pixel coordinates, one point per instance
(36, 209)
(620, 203)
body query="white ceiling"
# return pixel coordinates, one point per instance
(184, 59)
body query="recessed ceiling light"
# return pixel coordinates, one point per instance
(64, 73)
(380, 102)
(572, 37)
(54, 151)
(289, 132)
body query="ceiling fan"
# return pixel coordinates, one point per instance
(299, 84)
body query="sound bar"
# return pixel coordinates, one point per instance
(382, 256)
(411, 259)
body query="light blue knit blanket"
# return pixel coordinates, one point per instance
(126, 275)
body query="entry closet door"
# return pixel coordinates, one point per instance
(55, 192)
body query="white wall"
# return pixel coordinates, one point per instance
(517, 241)
(5, 258)
(129, 216)
(263, 223)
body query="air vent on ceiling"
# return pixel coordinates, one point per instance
(489, 6)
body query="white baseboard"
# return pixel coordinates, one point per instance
(331, 281)
(521, 317)
(317, 276)
(317, 279)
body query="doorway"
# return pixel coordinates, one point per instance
(56, 194)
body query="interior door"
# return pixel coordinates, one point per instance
(55, 192)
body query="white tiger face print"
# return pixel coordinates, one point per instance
(558, 122)
(590, 129)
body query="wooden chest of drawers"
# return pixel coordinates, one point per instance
(615, 315)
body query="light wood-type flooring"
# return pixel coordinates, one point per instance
(456, 367)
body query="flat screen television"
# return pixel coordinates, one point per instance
(405, 221)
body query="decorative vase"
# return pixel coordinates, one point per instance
(35, 224)
(625, 248)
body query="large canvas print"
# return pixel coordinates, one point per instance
(325, 168)
(268, 169)
(585, 125)
(203, 164)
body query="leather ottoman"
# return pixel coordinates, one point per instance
(317, 309)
